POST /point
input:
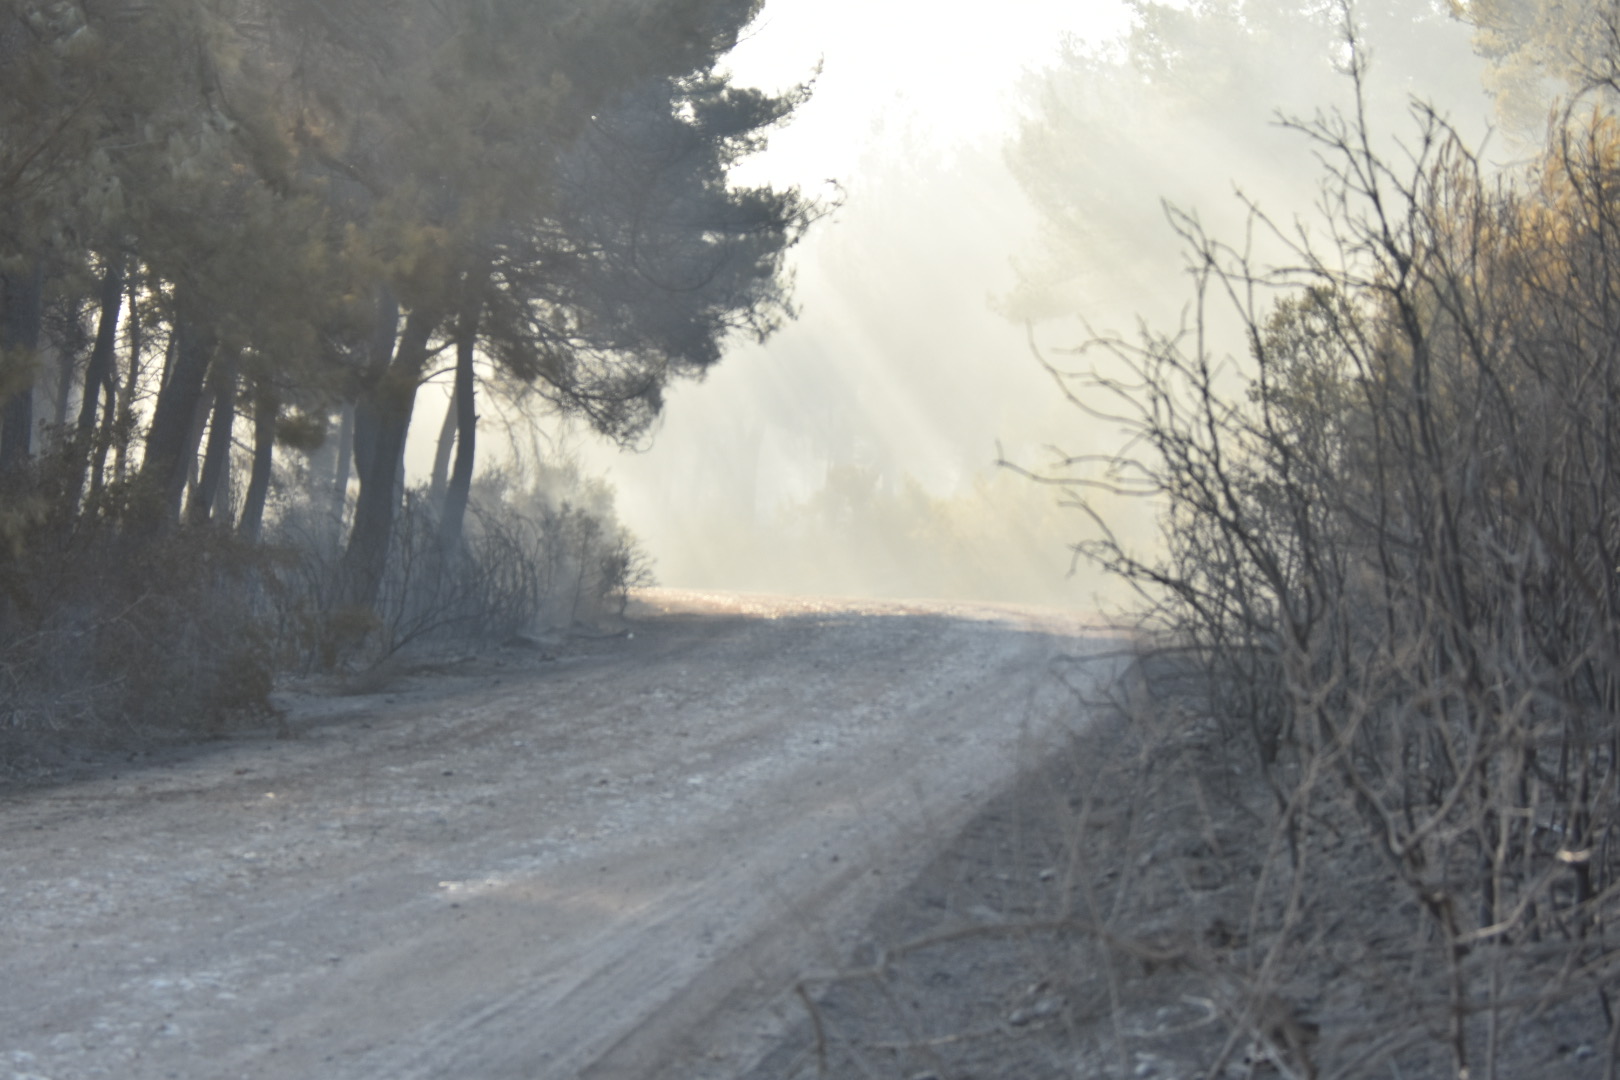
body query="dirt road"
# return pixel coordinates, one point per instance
(608, 862)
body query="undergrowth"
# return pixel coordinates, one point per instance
(116, 633)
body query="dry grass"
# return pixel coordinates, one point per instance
(1134, 909)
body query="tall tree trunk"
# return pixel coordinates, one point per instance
(98, 373)
(454, 514)
(379, 356)
(199, 424)
(265, 408)
(124, 425)
(217, 459)
(441, 454)
(104, 440)
(171, 444)
(385, 409)
(21, 315)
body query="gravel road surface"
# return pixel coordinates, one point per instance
(606, 859)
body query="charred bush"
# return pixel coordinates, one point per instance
(112, 633)
(548, 553)
(1390, 551)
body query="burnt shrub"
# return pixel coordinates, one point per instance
(109, 633)
(541, 549)
(1390, 552)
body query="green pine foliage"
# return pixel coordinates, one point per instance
(289, 214)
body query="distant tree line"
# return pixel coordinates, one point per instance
(228, 227)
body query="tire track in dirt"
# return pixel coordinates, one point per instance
(543, 869)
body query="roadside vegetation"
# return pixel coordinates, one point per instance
(1359, 815)
(236, 241)
(1390, 560)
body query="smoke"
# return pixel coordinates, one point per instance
(856, 451)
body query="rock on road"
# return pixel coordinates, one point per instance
(609, 864)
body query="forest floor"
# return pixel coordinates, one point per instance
(1109, 917)
(602, 855)
(1055, 938)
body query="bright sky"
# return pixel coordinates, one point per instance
(941, 72)
(899, 361)
(898, 357)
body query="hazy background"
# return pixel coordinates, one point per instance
(855, 451)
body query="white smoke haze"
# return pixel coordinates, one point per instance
(993, 170)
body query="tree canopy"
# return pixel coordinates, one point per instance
(293, 211)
